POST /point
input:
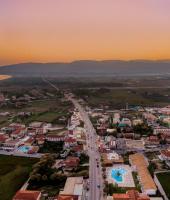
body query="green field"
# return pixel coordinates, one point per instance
(3, 121)
(14, 171)
(164, 179)
(117, 98)
(45, 111)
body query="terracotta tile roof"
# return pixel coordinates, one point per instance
(78, 148)
(17, 131)
(54, 136)
(153, 138)
(121, 197)
(3, 138)
(70, 140)
(166, 153)
(131, 195)
(72, 162)
(27, 195)
(67, 197)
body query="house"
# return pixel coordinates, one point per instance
(152, 140)
(166, 137)
(116, 118)
(71, 163)
(55, 138)
(78, 148)
(74, 186)
(140, 164)
(18, 132)
(166, 120)
(102, 129)
(10, 144)
(130, 195)
(69, 142)
(40, 125)
(36, 124)
(137, 122)
(28, 141)
(15, 126)
(31, 131)
(129, 135)
(79, 134)
(126, 121)
(165, 155)
(156, 131)
(3, 138)
(40, 139)
(135, 144)
(27, 195)
(149, 117)
(120, 143)
(165, 110)
(66, 197)
(111, 158)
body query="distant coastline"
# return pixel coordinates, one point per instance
(3, 77)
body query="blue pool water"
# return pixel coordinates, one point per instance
(117, 174)
(24, 149)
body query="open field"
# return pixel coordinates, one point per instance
(47, 111)
(117, 98)
(110, 91)
(3, 121)
(164, 179)
(42, 110)
(14, 171)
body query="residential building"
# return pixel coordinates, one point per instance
(66, 197)
(137, 122)
(156, 131)
(135, 144)
(55, 138)
(165, 155)
(74, 186)
(130, 195)
(71, 163)
(27, 195)
(140, 164)
(111, 158)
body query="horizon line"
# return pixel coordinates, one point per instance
(89, 60)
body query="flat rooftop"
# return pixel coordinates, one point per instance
(73, 186)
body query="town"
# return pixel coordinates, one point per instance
(85, 100)
(84, 153)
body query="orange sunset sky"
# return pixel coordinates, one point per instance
(67, 30)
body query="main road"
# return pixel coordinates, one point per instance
(95, 170)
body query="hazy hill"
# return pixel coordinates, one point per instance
(89, 68)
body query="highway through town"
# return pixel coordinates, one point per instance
(95, 170)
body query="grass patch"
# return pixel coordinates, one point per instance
(14, 171)
(164, 179)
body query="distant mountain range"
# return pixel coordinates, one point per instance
(89, 69)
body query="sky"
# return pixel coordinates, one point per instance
(67, 30)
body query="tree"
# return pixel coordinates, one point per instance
(44, 177)
(143, 129)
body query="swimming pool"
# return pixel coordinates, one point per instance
(117, 174)
(24, 149)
